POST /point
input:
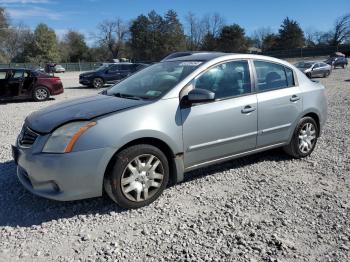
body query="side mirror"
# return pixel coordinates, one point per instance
(199, 95)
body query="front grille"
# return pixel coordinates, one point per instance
(27, 137)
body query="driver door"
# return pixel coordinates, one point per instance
(226, 126)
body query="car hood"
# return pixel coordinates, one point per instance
(47, 119)
(87, 73)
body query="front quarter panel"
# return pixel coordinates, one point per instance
(160, 120)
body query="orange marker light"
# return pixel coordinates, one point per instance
(76, 136)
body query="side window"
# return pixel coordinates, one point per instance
(226, 80)
(113, 69)
(272, 76)
(316, 66)
(125, 67)
(17, 74)
(2, 75)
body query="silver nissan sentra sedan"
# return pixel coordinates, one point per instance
(189, 111)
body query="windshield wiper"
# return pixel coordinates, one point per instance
(127, 96)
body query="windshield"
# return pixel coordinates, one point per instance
(303, 65)
(154, 81)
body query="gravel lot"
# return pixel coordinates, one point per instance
(265, 207)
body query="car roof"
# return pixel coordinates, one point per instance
(193, 56)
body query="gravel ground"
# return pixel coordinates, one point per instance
(266, 207)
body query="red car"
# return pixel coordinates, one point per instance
(25, 83)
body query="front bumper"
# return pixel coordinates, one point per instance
(85, 81)
(63, 177)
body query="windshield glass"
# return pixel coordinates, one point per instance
(154, 81)
(304, 65)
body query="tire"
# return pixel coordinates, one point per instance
(98, 83)
(304, 138)
(343, 66)
(326, 74)
(40, 93)
(127, 185)
(309, 75)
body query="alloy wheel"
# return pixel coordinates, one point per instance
(142, 178)
(307, 137)
(98, 83)
(41, 93)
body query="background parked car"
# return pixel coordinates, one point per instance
(59, 69)
(314, 69)
(340, 61)
(24, 84)
(109, 74)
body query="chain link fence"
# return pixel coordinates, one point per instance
(290, 53)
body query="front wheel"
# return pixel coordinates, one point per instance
(97, 82)
(40, 93)
(304, 138)
(138, 177)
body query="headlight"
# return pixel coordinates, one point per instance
(87, 75)
(63, 139)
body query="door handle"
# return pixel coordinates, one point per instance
(248, 109)
(294, 98)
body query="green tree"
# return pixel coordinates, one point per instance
(290, 35)
(152, 37)
(75, 47)
(270, 42)
(43, 46)
(232, 39)
(209, 43)
(140, 38)
(174, 37)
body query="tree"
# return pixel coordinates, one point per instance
(174, 37)
(4, 26)
(140, 41)
(341, 31)
(42, 46)
(290, 35)
(213, 24)
(209, 43)
(270, 42)
(152, 37)
(259, 36)
(74, 46)
(16, 40)
(232, 39)
(112, 35)
(196, 31)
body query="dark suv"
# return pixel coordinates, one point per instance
(109, 74)
(340, 61)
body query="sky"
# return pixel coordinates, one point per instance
(85, 15)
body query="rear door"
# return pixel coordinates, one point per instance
(15, 82)
(3, 83)
(279, 102)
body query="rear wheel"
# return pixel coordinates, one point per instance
(304, 138)
(97, 82)
(326, 74)
(40, 93)
(139, 176)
